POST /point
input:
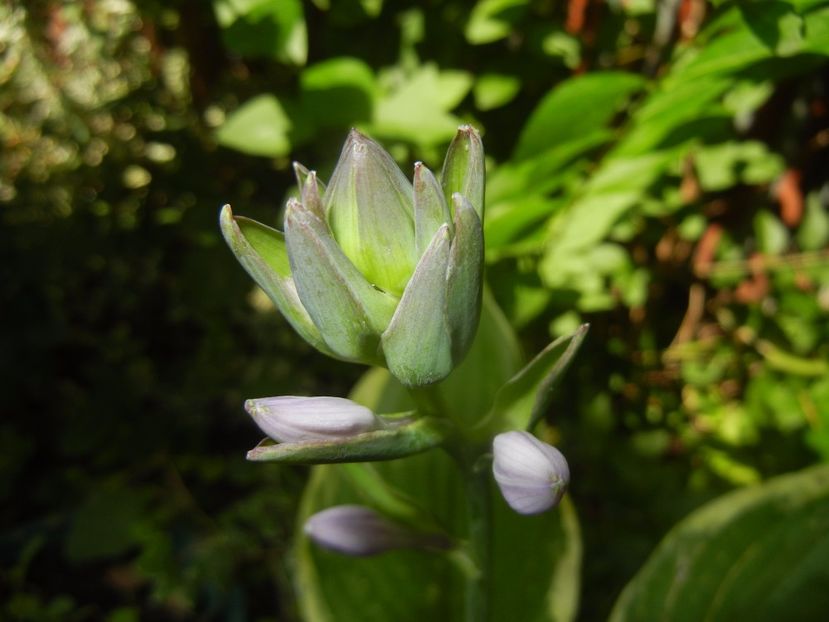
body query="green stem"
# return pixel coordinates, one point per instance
(479, 509)
(428, 400)
(469, 456)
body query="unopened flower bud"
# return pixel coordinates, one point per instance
(290, 419)
(360, 531)
(532, 475)
(374, 269)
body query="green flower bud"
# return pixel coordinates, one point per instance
(370, 210)
(373, 269)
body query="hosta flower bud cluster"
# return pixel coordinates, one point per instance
(376, 269)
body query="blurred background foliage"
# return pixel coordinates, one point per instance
(657, 168)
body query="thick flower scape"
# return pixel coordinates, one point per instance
(375, 269)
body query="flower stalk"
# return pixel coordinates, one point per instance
(378, 270)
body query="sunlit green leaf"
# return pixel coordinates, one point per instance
(259, 127)
(493, 90)
(264, 28)
(418, 109)
(574, 108)
(347, 81)
(491, 20)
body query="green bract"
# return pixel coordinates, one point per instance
(374, 269)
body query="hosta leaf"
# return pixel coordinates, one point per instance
(758, 553)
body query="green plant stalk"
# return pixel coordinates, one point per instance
(479, 512)
(468, 456)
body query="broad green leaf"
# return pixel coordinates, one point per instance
(671, 115)
(347, 81)
(758, 553)
(615, 189)
(589, 221)
(508, 219)
(562, 45)
(417, 110)
(574, 108)
(493, 90)
(264, 28)
(722, 166)
(816, 26)
(491, 20)
(543, 173)
(775, 24)
(536, 559)
(391, 443)
(259, 127)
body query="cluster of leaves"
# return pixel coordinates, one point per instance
(657, 168)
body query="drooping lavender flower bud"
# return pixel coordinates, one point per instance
(360, 531)
(372, 268)
(532, 475)
(290, 419)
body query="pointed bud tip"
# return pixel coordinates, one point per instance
(356, 137)
(300, 173)
(296, 215)
(227, 222)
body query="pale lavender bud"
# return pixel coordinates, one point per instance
(290, 419)
(357, 530)
(532, 475)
